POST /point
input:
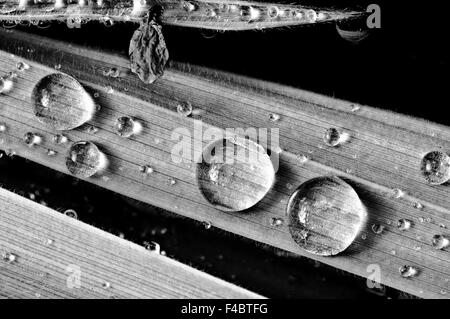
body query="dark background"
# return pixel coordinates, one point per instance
(401, 67)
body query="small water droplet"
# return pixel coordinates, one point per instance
(440, 241)
(289, 186)
(393, 252)
(417, 248)
(207, 224)
(57, 66)
(404, 224)
(85, 159)
(421, 219)
(397, 193)
(348, 171)
(96, 95)
(234, 174)
(172, 181)
(21, 66)
(363, 236)
(184, 109)
(91, 129)
(9, 257)
(302, 158)
(146, 169)
(32, 139)
(51, 152)
(435, 168)
(313, 210)
(274, 221)
(408, 271)
(59, 139)
(2, 127)
(442, 226)
(109, 90)
(49, 242)
(274, 117)
(332, 137)
(6, 85)
(153, 246)
(419, 206)
(377, 228)
(61, 102)
(71, 213)
(428, 220)
(114, 73)
(126, 126)
(106, 285)
(443, 292)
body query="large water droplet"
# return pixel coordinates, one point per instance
(353, 30)
(325, 215)
(61, 102)
(85, 159)
(234, 174)
(126, 126)
(435, 167)
(440, 241)
(404, 224)
(408, 271)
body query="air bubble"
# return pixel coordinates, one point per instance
(325, 215)
(184, 109)
(435, 168)
(126, 126)
(61, 102)
(404, 224)
(234, 174)
(32, 139)
(440, 241)
(408, 271)
(85, 159)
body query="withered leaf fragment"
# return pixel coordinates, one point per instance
(148, 52)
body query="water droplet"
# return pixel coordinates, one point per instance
(273, 12)
(355, 108)
(325, 215)
(397, 193)
(106, 285)
(60, 139)
(276, 221)
(210, 12)
(443, 292)
(153, 246)
(189, 6)
(2, 127)
(9, 257)
(348, 171)
(5, 85)
(57, 66)
(289, 186)
(91, 129)
(421, 219)
(393, 252)
(442, 226)
(428, 220)
(85, 159)
(353, 30)
(207, 224)
(408, 271)
(109, 90)
(377, 228)
(302, 158)
(311, 15)
(417, 248)
(332, 137)
(146, 169)
(61, 102)
(21, 66)
(234, 174)
(419, 206)
(184, 109)
(249, 13)
(71, 213)
(32, 139)
(51, 152)
(126, 126)
(404, 224)
(172, 181)
(49, 242)
(96, 95)
(435, 168)
(114, 73)
(274, 117)
(440, 241)
(363, 236)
